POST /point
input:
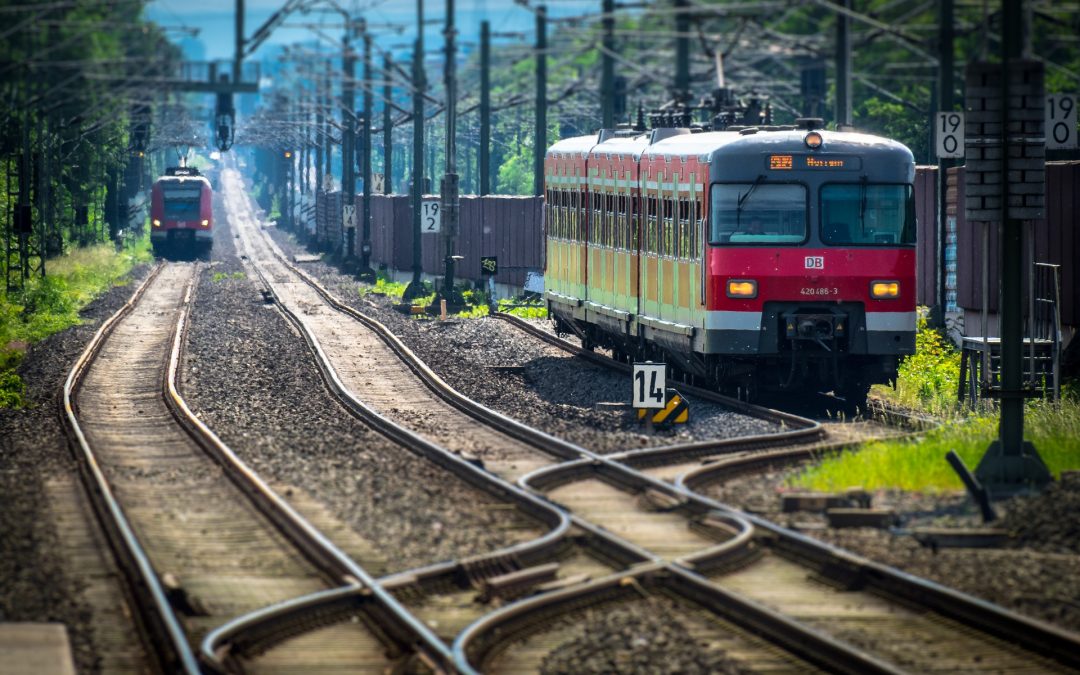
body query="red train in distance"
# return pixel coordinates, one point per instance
(181, 213)
(773, 258)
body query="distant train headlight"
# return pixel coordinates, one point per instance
(157, 223)
(883, 290)
(741, 288)
(813, 140)
(205, 222)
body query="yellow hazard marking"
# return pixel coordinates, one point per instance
(677, 411)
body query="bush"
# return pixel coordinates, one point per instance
(51, 304)
(927, 380)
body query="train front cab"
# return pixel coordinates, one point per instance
(181, 214)
(811, 261)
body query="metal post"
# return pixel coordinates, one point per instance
(485, 108)
(682, 51)
(348, 134)
(449, 192)
(415, 287)
(843, 64)
(388, 127)
(540, 136)
(1010, 464)
(319, 141)
(365, 155)
(238, 60)
(327, 172)
(607, 67)
(946, 92)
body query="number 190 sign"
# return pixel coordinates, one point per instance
(949, 135)
(1060, 122)
(650, 386)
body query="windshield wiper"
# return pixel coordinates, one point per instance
(738, 207)
(862, 205)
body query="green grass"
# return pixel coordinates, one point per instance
(522, 309)
(384, 285)
(927, 383)
(919, 463)
(51, 304)
(222, 276)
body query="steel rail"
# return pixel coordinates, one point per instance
(773, 626)
(893, 582)
(156, 619)
(396, 624)
(1033, 634)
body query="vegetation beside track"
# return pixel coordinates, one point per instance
(49, 305)
(919, 463)
(477, 300)
(927, 384)
(928, 378)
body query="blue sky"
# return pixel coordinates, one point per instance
(214, 19)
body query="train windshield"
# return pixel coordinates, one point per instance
(758, 213)
(866, 214)
(181, 201)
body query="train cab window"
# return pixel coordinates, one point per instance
(758, 214)
(181, 200)
(867, 214)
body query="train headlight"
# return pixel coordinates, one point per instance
(205, 222)
(157, 223)
(813, 140)
(884, 290)
(741, 288)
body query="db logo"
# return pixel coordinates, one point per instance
(815, 262)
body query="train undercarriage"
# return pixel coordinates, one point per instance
(810, 359)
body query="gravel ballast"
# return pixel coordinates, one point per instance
(499, 366)
(38, 582)
(644, 637)
(545, 388)
(250, 377)
(1035, 572)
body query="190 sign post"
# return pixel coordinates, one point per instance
(650, 388)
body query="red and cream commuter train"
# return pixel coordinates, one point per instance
(771, 258)
(181, 212)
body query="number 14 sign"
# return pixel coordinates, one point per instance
(650, 386)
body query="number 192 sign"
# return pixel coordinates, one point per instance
(430, 216)
(650, 385)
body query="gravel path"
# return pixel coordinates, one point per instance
(37, 581)
(497, 365)
(249, 376)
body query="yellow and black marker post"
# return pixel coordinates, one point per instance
(676, 411)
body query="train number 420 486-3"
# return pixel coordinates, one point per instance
(819, 291)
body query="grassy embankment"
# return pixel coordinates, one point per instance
(927, 384)
(51, 304)
(478, 300)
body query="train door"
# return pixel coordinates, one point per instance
(649, 266)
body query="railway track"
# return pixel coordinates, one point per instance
(653, 535)
(199, 537)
